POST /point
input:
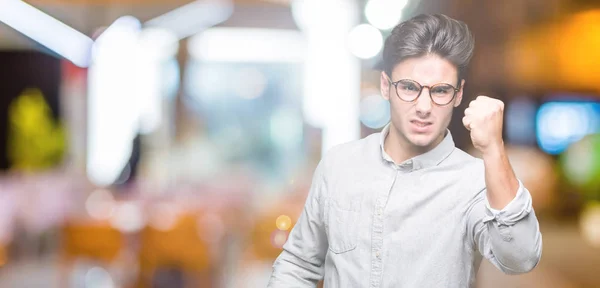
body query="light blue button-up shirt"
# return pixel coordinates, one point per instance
(426, 222)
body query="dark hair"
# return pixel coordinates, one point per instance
(429, 34)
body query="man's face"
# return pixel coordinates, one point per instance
(421, 124)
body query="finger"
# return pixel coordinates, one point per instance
(469, 111)
(475, 103)
(467, 122)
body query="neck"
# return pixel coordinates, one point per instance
(400, 149)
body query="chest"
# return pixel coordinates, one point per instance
(425, 212)
(417, 207)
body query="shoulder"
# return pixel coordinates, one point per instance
(471, 168)
(352, 147)
(350, 154)
(466, 160)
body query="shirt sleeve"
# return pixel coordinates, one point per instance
(509, 238)
(300, 264)
(520, 204)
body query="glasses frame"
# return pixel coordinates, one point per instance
(395, 84)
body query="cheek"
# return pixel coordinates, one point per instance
(444, 115)
(400, 109)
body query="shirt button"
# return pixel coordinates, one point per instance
(379, 212)
(378, 254)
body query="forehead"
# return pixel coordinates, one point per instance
(427, 70)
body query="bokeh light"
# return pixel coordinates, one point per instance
(590, 224)
(163, 216)
(385, 14)
(128, 217)
(278, 238)
(98, 277)
(561, 123)
(365, 41)
(374, 111)
(283, 222)
(581, 164)
(100, 205)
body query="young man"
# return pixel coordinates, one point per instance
(405, 207)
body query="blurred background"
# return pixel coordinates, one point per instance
(171, 143)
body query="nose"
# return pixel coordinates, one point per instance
(424, 104)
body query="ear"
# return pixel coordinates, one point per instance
(384, 85)
(459, 94)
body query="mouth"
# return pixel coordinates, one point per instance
(421, 124)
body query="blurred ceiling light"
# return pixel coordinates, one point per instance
(194, 17)
(156, 46)
(322, 15)
(300, 11)
(46, 30)
(365, 41)
(384, 14)
(158, 43)
(113, 116)
(331, 73)
(247, 45)
(122, 25)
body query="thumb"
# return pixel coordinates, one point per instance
(467, 122)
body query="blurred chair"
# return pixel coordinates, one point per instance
(89, 240)
(3, 255)
(94, 240)
(176, 250)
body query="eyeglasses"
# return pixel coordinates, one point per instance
(408, 90)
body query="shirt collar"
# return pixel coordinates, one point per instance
(428, 159)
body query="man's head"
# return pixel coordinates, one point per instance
(427, 54)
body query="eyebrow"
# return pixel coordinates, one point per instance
(450, 83)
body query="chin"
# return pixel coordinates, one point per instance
(422, 140)
(422, 143)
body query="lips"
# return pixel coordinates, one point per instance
(420, 123)
(421, 127)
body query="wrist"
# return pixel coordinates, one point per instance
(494, 151)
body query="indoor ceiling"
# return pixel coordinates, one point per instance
(87, 16)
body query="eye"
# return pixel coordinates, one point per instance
(408, 87)
(442, 90)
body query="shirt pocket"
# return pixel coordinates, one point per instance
(341, 221)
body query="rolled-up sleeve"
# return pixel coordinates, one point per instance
(300, 264)
(509, 238)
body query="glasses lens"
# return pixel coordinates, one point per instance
(408, 90)
(442, 93)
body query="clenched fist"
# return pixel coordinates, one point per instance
(483, 118)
